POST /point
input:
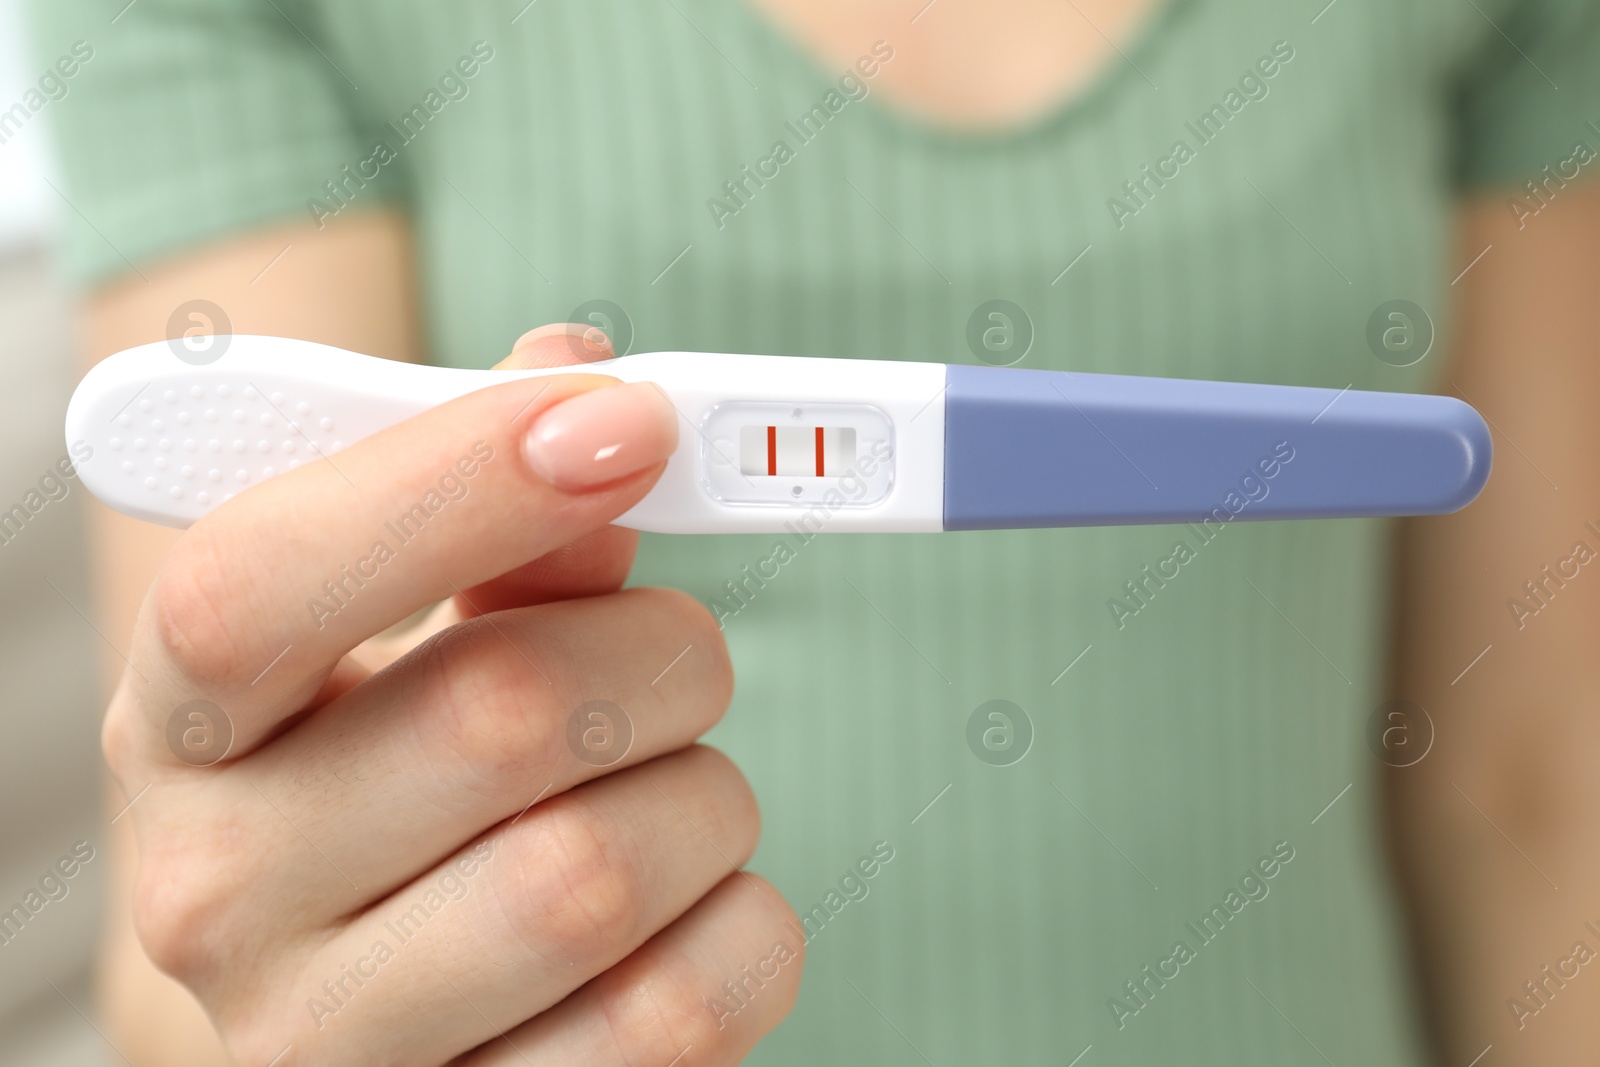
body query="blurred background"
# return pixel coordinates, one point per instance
(49, 776)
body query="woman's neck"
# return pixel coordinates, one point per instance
(969, 63)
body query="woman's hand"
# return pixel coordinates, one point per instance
(491, 841)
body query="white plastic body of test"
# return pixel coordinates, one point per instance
(168, 440)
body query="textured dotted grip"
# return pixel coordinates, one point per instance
(204, 443)
(166, 440)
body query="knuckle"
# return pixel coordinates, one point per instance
(579, 891)
(694, 1022)
(194, 612)
(786, 988)
(177, 915)
(728, 812)
(256, 1040)
(780, 915)
(486, 706)
(119, 742)
(776, 971)
(694, 617)
(666, 1001)
(694, 624)
(657, 1018)
(258, 1034)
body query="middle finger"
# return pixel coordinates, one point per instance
(470, 728)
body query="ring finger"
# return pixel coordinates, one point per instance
(553, 899)
(700, 993)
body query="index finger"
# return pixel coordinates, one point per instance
(258, 601)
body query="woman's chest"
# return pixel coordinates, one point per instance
(1233, 197)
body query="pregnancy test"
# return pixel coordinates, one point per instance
(769, 443)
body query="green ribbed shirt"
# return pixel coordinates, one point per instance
(1233, 197)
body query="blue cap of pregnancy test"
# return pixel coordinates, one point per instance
(1030, 448)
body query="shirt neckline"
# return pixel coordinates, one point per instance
(1125, 63)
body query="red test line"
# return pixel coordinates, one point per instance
(819, 451)
(772, 450)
